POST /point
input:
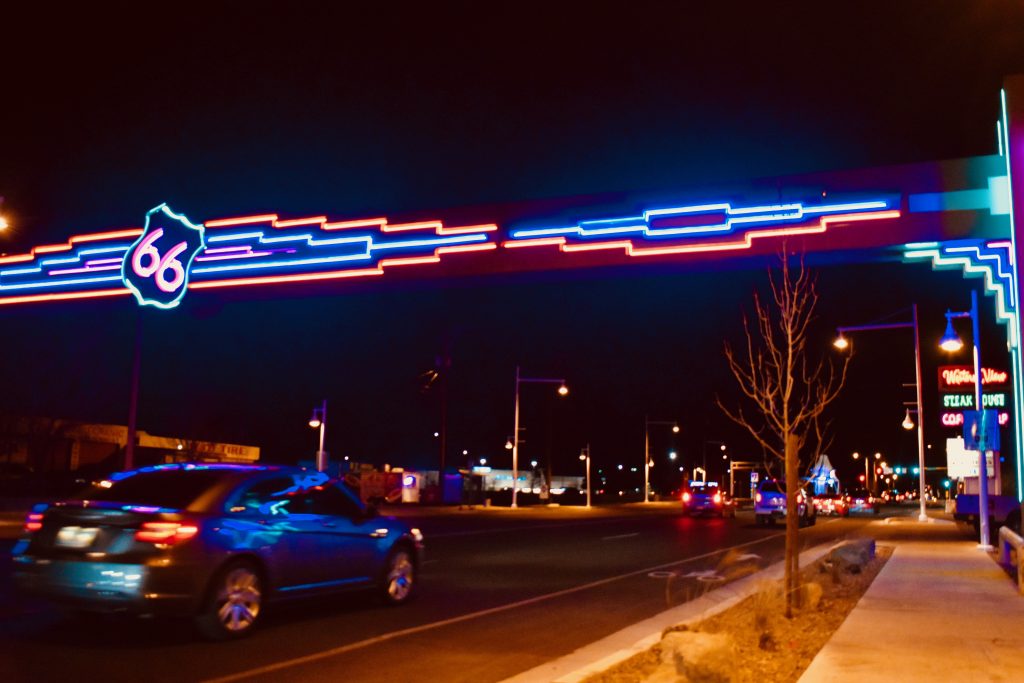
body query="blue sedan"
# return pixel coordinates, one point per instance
(215, 542)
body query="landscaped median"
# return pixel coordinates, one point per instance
(731, 632)
(751, 639)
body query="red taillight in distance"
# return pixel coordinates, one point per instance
(757, 498)
(686, 497)
(718, 499)
(165, 533)
(34, 522)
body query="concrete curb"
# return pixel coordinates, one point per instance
(631, 640)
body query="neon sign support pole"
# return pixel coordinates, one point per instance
(922, 515)
(133, 401)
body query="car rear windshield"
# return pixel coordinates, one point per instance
(859, 493)
(772, 487)
(167, 489)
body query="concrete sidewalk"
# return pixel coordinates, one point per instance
(940, 610)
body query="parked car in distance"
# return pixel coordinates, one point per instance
(706, 498)
(861, 500)
(215, 542)
(770, 504)
(831, 504)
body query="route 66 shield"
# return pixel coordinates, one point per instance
(156, 266)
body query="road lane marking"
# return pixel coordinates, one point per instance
(340, 650)
(615, 538)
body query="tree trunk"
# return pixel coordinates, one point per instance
(792, 574)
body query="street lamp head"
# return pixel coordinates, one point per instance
(908, 423)
(841, 342)
(950, 340)
(856, 455)
(314, 421)
(563, 390)
(722, 447)
(675, 429)
(583, 456)
(508, 444)
(4, 224)
(877, 456)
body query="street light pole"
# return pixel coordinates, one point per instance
(842, 343)
(647, 450)
(319, 419)
(983, 527)
(585, 455)
(562, 391)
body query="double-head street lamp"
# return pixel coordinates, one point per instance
(867, 475)
(319, 419)
(647, 451)
(951, 342)
(842, 343)
(563, 390)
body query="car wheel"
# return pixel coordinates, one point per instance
(399, 581)
(234, 604)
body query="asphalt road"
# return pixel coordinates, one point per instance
(502, 591)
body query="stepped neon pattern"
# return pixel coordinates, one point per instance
(250, 250)
(699, 227)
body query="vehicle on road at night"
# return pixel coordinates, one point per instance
(861, 500)
(215, 542)
(706, 498)
(770, 504)
(830, 504)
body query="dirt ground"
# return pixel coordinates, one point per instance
(769, 647)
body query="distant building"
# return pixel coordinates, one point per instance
(55, 445)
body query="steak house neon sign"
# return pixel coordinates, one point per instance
(170, 256)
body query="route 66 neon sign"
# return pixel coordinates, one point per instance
(155, 267)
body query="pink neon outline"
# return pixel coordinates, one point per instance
(104, 261)
(223, 250)
(244, 254)
(86, 269)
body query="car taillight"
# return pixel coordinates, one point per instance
(34, 522)
(686, 497)
(718, 499)
(166, 533)
(757, 498)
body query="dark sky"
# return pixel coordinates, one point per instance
(301, 108)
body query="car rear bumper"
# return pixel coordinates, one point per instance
(107, 586)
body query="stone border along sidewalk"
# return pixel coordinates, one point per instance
(619, 646)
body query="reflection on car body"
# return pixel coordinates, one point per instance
(212, 541)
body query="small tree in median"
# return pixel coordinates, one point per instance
(785, 390)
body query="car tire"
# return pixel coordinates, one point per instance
(399, 581)
(234, 602)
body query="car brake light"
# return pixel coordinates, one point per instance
(757, 498)
(718, 499)
(166, 533)
(34, 522)
(686, 497)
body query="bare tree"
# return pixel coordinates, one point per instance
(786, 390)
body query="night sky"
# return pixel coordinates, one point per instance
(301, 109)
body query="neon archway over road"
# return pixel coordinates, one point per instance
(962, 214)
